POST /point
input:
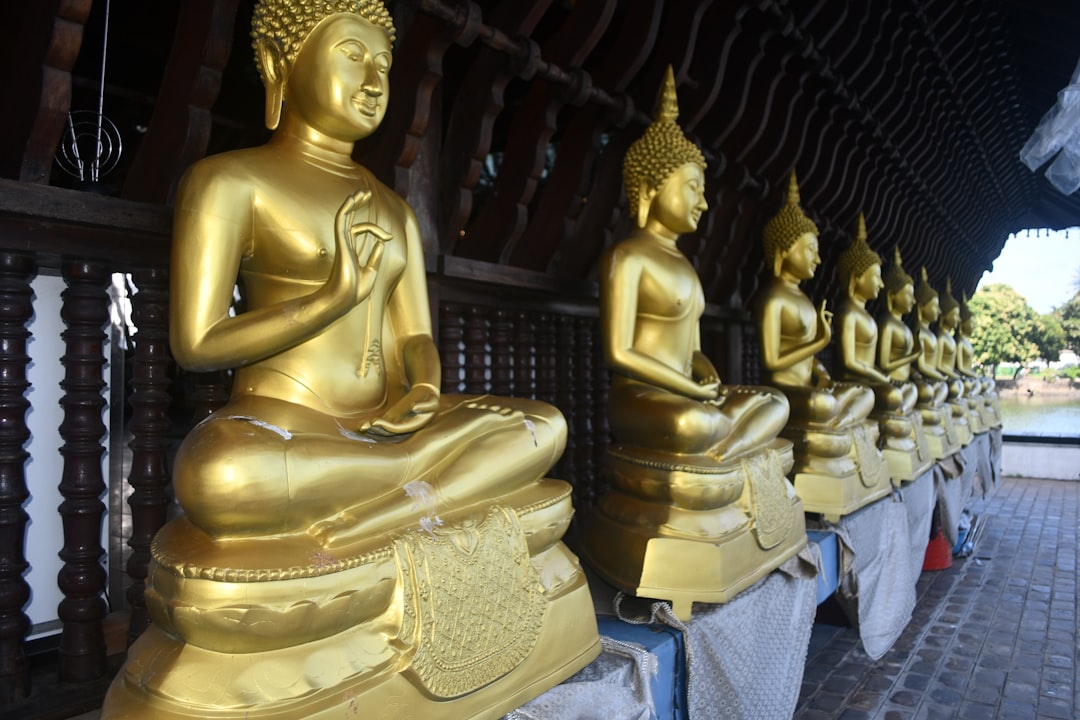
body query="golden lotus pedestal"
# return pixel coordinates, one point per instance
(688, 528)
(838, 470)
(469, 619)
(905, 448)
(941, 435)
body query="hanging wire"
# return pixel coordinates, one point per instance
(92, 145)
(101, 93)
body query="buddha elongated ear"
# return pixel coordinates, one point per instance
(271, 63)
(644, 203)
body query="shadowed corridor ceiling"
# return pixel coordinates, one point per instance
(509, 119)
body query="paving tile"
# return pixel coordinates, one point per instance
(994, 636)
(976, 711)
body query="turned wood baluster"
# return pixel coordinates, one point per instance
(15, 311)
(601, 383)
(209, 392)
(502, 353)
(476, 351)
(584, 329)
(566, 366)
(82, 579)
(546, 374)
(452, 347)
(149, 429)
(524, 356)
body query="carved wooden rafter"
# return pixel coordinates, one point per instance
(179, 129)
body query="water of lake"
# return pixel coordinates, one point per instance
(1040, 415)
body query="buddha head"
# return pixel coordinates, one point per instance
(967, 319)
(950, 308)
(327, 60)
(791, 238)
(860, 267)
(927, 297)
(664, 171)
(899, 286)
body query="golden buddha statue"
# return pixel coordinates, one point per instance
(353, 537)
(902, 442)
(946, 331)
(838, 468)
(700, 507)
(976, 387)
(929, 380)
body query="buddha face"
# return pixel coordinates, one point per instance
(869, 284)
(681, 200)
(950, 319)
(903, 301)
(802, 258)
(966, 326)
(930, 310)
(338, 84)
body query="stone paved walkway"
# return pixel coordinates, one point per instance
(994, 636)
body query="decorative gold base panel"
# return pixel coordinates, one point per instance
(905, 467)
(681, 570)
(568, 642)
(908, 457)
(941, 444)
(833, 497)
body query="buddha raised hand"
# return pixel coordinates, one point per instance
(336, 366)
(947, 324)
(792, 331)
(693, 460)
(931, 382)
(903, 445)
(838, 468)
(353, 537)
(665, 392)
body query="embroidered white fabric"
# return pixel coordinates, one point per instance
(749, 654)
(615, 686)
(877, 588)
(954, 489)
(919, 497)
(986, 476)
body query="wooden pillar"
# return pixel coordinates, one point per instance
(82, 579)
(16, 307)
(149, 429)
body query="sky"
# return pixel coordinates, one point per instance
(1044, 268)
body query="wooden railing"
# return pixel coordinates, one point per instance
(84, 238)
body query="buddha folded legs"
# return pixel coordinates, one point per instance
(306, 472)
(699, 506)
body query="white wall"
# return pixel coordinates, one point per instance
(45, 535)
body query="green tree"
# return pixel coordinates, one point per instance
(1004, 328)
(1049, 337)
(1069, 315)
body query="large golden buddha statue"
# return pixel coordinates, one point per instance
(353, 538)
(700, 507)
(932, 384)
(901, 438)
(946, 331)
(977, 388)
(838, 468)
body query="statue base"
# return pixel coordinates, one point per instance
(941, 435)
(388, 627)
(838, 471)
(974, 414)
(905, 450)
(692, 529)
(959, 410)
